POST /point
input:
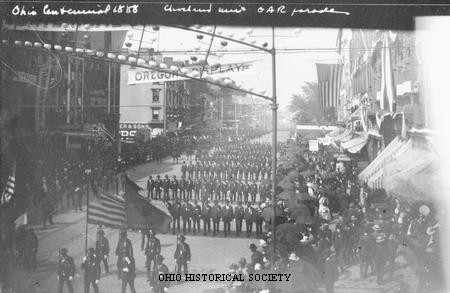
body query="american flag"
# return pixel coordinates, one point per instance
(9, 188)
(329, 82)
(107, 210)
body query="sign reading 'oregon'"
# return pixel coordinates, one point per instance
(142, 75)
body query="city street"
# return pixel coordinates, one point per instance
(350, 202)
(210, 254)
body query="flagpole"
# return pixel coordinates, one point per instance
(88, 173)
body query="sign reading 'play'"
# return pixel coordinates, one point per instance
(141, 75)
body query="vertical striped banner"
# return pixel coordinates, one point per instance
(329, 82)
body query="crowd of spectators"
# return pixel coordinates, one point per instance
(332, 221)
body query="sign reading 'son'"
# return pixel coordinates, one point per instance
(142, 75)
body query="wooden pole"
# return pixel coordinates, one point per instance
(87, 210)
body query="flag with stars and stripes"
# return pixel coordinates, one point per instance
(107, 210)
(8, 192)
(329, 83)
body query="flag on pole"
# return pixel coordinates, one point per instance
(22, 220)
(8, 192)
(329, 82)
(107, 210)
(142, 214)
(387, 77)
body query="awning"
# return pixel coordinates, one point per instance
(373, 173)
(414, 176)
(355, 145)
(344, 136)
(335, 133)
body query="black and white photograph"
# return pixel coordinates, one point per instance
(207, 153)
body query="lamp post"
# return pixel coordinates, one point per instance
(274, 107)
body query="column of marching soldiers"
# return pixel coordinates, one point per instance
(233, 177)
(230, 174)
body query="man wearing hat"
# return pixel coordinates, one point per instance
(91, 266)
(158, 186)
(174, 187)
(102, 248)
(124, 248)
(253, 190)
(66, 271)
(239, 217)
(196, 215)
(256, 257)
(128, 272)
(182, 255)
(249, 217)
(259, 219)
(175, 211)
(186, 214)
(166, 186)
(150, 187)
(152, 250)
(227, 216)
(366, 249)
(206, 217)
(215, 215)
(160, 269)
(380, 257)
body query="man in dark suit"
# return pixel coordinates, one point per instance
(215, 215)
(248, 217)
(152, 250)
(196, 215)
(186, 214)
(182, 255)
(158, 186)
(227, 217)
(160, 285)
(66, 271)
(91, 266)
(128, 271)
(150, 187)
(206, 217)
(189, 188)
(174, 185)
(176, 214)
(124, 247)
(166, 187)
(102, 249)
(239, 217)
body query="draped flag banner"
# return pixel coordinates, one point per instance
(9, 188)
(107, 210)
(329, 82)
(142, 214)
(387, 78)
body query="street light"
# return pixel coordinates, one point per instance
(274, 105)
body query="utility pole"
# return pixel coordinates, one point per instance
(221, 116)
(274, 144)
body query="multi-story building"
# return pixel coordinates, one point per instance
(50, 91)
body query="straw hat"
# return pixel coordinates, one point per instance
(293, 256)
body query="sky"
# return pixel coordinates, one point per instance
(298, 49)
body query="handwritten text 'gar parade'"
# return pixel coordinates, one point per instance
(47, 10)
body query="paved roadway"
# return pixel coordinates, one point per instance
(210, 254)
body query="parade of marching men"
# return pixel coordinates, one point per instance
(165, 159)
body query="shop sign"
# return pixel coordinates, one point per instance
(313, 145)
(141, 75)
